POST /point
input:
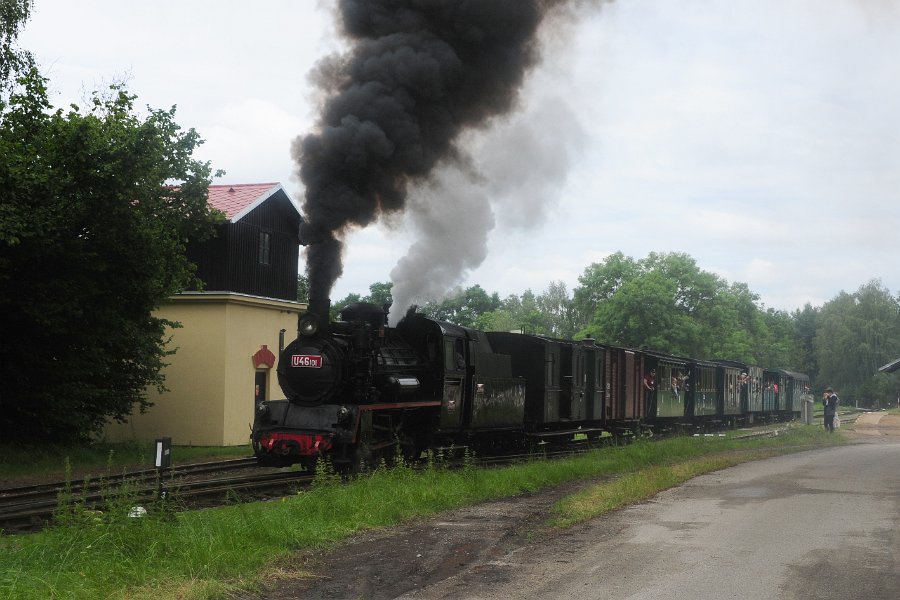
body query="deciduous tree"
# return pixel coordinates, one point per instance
(856, 334)
(13, 60)
(97, 206)
(463, 309)
(559, 310)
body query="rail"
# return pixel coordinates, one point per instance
(28, 508)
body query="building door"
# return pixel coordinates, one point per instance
(260, 388)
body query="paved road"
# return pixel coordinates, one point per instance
(817, 525)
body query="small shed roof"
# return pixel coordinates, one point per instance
(236, 200)
(891, 366)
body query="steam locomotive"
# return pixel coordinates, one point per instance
(357, 389)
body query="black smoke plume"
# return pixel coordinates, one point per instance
(417, 74)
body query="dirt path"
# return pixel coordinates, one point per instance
(875, 425)
(481, 540)
(389, 563)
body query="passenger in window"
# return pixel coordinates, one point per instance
(649, 388)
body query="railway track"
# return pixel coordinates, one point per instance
(29, 508)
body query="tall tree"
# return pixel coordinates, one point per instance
(463, 309)
(667, 303)
(559, 310)
(380, 293)
(515, 313)
(599, 282)
(805, 324)
(92, 239)
(302, 288)
(13, 60)
(777, 343)
(856, 334)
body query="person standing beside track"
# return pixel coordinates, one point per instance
(830, 400)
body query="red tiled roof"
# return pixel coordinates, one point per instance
(236, 200)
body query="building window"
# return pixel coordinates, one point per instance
(265, 247)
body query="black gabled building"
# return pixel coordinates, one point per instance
(256, 250)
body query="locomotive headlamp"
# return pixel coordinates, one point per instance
(308, 325)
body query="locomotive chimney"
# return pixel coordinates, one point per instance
(321, 307)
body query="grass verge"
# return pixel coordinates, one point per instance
(208, 554)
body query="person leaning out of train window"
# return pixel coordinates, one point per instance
(649, 386)
(678, 383)
(830, 401)
(650, 380)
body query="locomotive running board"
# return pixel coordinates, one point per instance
(399, 405)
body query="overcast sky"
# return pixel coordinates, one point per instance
(761, 137)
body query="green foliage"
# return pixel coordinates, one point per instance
(855, 334)
(501, 319)
(599, 282)
(97, 207)
(665, 302)
(379, 294)
(515, 313)
(302, 288)
(465, 308)
(325, 474)
(558, 311)
(13, 60)
(805, 320)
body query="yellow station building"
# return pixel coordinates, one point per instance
(232, 329)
